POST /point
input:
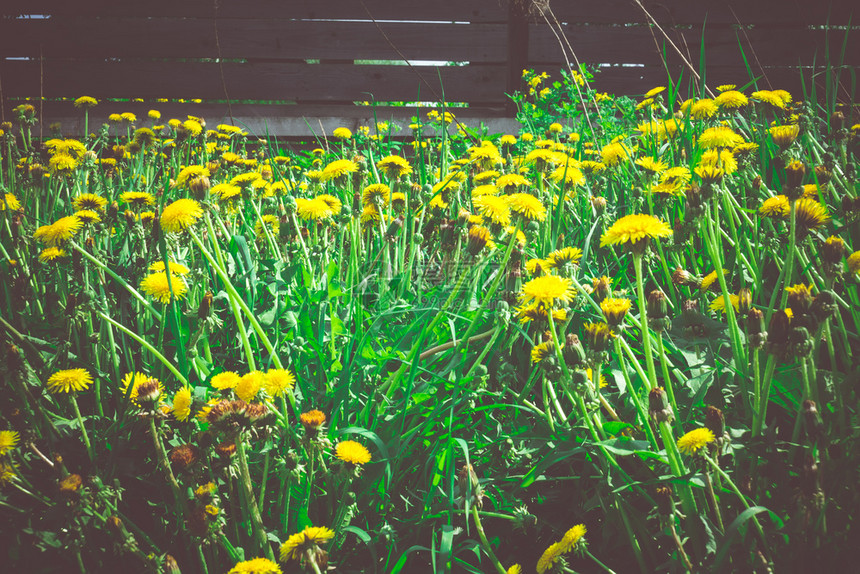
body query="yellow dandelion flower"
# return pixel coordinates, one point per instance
(768, 97)
(376, 192)
(720, 136)
(634, 228)
(189, 174)
(339, 168)
(137, 198)
(312, 209)
(680, 175)
(270, 221)
(615, 309)
(703, 109)
(86, 102)
(278, 382)
(710, 280)
(69, 380)
(394, 166)
(88, 216)
(342, 133)
(352, 452)
(9, 201)
(564, 256)
(549, 557)
(542, 351)
(49, 254)
(334, 204)
(731, 100)
(614, 153)
(156, 285)
(784, 136)
(776, 207)
(547, 289)
(249, 385)
(180, 215)
(511, 180)
(852, 263)
(723, 159)
(308, 539)
(572, 538)
(255, 566)
(810, 214)
(182, 404)
(526, 205)
(719, 304)
(225, 380)
(88, 201)
(695, 440)
(58, 232)
(8, 441)
(494, 208)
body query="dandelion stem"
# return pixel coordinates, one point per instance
(484, 542)
(83, 428)
(146, 346)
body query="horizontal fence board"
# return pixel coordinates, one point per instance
(773, 46)
(637, 81)
(696, 13)
(438, 10)
(115, 37)
(253, 81)
(262, 120)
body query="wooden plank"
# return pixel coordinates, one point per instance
(774, 46)
(745, 12)
(636, 81)
(435, 10)
(123, 37)
(253, 81)
(277, 121)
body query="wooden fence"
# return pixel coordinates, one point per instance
(300, 65)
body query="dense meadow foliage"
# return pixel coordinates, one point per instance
(623, 339)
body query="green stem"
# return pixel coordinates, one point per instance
(643, 322)
(484, 542)
(83, 428)
(148, 347)
(256, 519)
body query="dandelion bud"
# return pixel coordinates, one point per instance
(664, 501)
(225, 449)
(658, 406)
(447, 235)
(478, 238)
(199, 185)
(794, 180)
(744, 301)
(266, 172)
(523, 519)
(470, 487)
(183, 456)
(598, 336)
(822, 174)
(614, 311)
(289, 204)
(394, 228)
(70, 485)
(115, 524)
(204, 310)
(118, 152)
(170, 565)
(598, 203)
(573, 351)
(148, 392)
(313, 422)
(601, 288)
(213, 166)
(6, 126)
(113, 211)
(799, 299)
(824, 306)
(716, 423)
(837, 121)
(755, 327)
(756, 182)
(684, 278)
(799, 343)
(778, 330)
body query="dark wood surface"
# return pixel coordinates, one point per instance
(259, 49)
